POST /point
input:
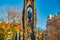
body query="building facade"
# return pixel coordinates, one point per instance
(53, 27)
(41, 35)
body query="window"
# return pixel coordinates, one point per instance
(29, 16)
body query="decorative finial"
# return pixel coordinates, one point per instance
(50, 17)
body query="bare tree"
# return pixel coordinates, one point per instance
(19, 17)
(2, 15)
(11, 15)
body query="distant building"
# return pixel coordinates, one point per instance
(53, 27)
(40, 35)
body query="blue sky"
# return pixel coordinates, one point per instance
(43, 7)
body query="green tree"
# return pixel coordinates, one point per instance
(1, 34)
(12, 29)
